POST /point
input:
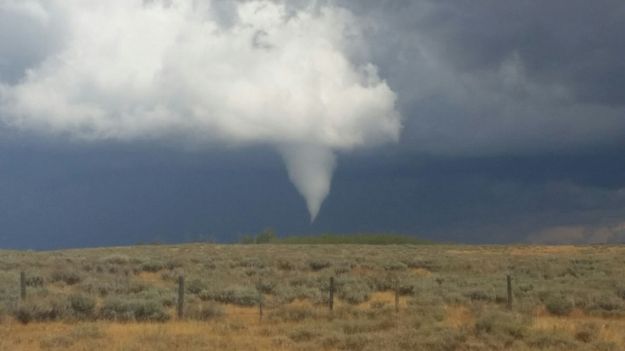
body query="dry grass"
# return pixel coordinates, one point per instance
(452, 297)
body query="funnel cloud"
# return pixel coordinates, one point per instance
(310, 168)
(203, 73)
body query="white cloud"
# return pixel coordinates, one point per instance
(130, 70)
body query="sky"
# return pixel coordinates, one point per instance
(128, 122)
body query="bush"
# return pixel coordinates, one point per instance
(395, 266)
(608, 304)
(427, 265)
(152, 266)
(116, 259)
(354, 292)
(206, 312)
(265, 286)
(161, 296)
(44, 310)
(285, 265)
(68, 277)
(477, 295)
(236, 296)
(587, 332)
(82, 306)
(137, 310)
(620, 292)
(302, 335)
(317, 265)
(34, 281)
(559, 306)
(503, 325)
(343, 268)
(196, 286)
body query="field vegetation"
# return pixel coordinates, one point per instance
(450, 297)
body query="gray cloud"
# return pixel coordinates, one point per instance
(29, 32)
(482, 77)
(170, 69)
(478, 82)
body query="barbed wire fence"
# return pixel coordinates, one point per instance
(261, 307)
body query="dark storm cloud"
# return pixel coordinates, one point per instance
(513, 114)
(27, 37)
(488, 77)
(573, 43)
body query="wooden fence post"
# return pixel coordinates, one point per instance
(181, 296)
(509, 281)
(331, 299)
(397, 295)
(22, 286)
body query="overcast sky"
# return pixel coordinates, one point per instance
(466, 121)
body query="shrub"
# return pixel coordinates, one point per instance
(137, 310)
(206, 312)
(407, 288)
(195, 286)
(173, 264)
(354, 292)
(68, 277)
(395, 266)
(236, 295)
(503, 325)
(43, 310)
(2, 313)
(286, 294)
(152, 266)
(587, 332)
(116, 259)
(82, 306)
(342, 269)
(318, 264)
(477, 295)
(428, 265)
(620, 292)
(558, 306)
(285, 265)
(116, 309)
(171, 276)
(608, 304)
(34, 281)
(302, 335)
(149, 311)
(265, 286)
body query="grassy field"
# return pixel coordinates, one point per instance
(450, 298)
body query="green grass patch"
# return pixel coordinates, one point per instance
(355, 239)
